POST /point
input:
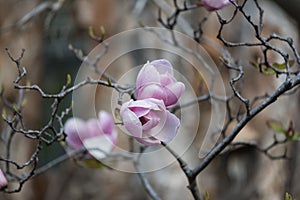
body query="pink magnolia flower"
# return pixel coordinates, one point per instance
(97, 135)
(212, 5)
(149, 121)
(3, 180)
(156, 80)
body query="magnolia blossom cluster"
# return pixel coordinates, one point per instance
(98, 136)
(148, 119)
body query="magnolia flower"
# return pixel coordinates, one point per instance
(149, 121)
(212, 5)
(97, 135)
(156, 80)
(3, 180)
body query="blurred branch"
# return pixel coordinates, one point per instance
(93, 64)
(266, 150)
(49, 6)
(171, 21)
(187, 171)
(167, 9)
(199, 99)
(145, 182)
(76, 153)
(139, 7)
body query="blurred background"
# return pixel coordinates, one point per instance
(46, 28)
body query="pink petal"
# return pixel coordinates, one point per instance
(114, 136)
(139, 111)
(76, 131)
(171, 98)
(173, 93)
(94, 128)
(163, 66)
(131, 121)
(147, 75)
(170, 128)
(107, 125)
(106, 122)
(98, 146)
(212, 5)
(166, 79)
(149, 104)
(3, 180)
(152, 91)
(153, 120)
(161, 114)
(157, 104)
